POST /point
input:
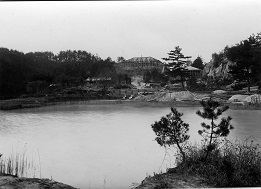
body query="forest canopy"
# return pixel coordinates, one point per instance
(18, 69)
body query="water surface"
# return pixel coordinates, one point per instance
(100, 146)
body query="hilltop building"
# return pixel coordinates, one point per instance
(138, 65)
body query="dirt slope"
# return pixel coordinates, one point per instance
(174, 180)
(10, 182)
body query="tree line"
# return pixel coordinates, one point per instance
(246, 56)
(21, 73)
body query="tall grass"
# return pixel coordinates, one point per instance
(17, 165)
(230, 164)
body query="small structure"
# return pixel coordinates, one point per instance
(193, 72)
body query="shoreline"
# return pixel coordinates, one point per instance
(13, 104)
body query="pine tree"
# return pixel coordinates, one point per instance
(211, 111)
(171, 130)
(246, 55)
(176, 64)
(198, 63)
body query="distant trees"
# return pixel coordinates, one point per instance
(176, 63)
(15, 72)
(123, 79)
(36, 86)
(247, 57)
(29, 73)
(154, 75)
(198, 63)
(171, 130)
(217, 58)
(120, 59)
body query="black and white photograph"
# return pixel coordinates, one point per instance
(130, 94)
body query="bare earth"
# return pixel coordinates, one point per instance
(174, 180)
(10, 182)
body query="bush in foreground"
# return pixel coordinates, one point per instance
(223, 163)
(232, 164)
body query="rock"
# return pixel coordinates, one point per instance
(237, 98)
(219, 92)
(253, 99)
(221, 71)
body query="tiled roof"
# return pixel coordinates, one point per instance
(191, 68)
(143, 59)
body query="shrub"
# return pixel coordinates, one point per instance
(231, 164)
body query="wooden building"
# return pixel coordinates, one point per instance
(193, 72)
(138, 65)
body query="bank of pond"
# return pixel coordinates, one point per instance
(22, 103)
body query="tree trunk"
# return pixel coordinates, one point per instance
(212, 127)
(181, 151)
(182, 84)
(181, 78)
(211, 137)
(179, 147)
(248, 85)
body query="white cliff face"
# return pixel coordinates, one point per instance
(222, 70)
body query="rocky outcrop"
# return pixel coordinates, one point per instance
(218, 71)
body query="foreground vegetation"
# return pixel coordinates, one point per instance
(222, 162)
(18, 165)
(231, 164)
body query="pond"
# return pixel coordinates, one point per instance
(100, 146)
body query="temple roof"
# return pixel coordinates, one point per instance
(143, 59)
(191, 68)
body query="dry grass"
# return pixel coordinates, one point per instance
(17, 165)
(231, 164)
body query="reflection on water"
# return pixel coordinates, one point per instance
(108, 146)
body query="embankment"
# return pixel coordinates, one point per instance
(37, 102)
(174, 180)
(130, 103)
(12, 182)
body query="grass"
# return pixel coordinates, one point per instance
(231, 164)
(17, 165)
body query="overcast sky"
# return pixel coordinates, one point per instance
(129, 28)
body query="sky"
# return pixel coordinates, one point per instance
(129, 28)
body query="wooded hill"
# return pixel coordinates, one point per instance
(19, 71)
